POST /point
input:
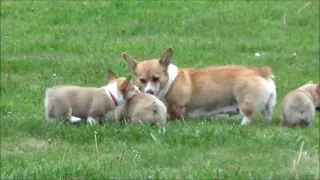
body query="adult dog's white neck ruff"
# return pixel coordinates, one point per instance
(173, 73)
(112, 90)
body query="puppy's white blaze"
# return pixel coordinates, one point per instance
(112, 88)
(172, 73)
(203, 112)
(74, 119)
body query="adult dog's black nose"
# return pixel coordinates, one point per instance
(149, 91)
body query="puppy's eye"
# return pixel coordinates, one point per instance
(155, 79)
(143, 80)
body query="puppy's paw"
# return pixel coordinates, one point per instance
(267, 119)
(74, 119)
(91, 121)
(245, 122)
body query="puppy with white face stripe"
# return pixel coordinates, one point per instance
(72, 103)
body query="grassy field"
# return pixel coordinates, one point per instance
(80, 40)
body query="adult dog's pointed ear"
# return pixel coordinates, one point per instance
(166, 58)
(111, 77)
(131, 61)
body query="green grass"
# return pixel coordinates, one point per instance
(80, 40)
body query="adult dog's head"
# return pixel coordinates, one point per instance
(152, 75)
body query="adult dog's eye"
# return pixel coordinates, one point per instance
(143, 80)
(155, 79)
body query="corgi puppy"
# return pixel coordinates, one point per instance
(143, 107)
(74, 102)
(195, 92)
(299, 106)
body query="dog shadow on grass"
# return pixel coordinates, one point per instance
(223, 119)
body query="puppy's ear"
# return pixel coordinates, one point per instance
(125, 83)
(111, 77)
(128, 89)
(166, 58)
(318, 89)
(131, 61)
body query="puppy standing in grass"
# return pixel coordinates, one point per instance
(73, 102)
(195, 92)
(299, 106)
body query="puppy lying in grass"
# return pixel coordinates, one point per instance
(143, 107)
(72, 103)
(299, 106)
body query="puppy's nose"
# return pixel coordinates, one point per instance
(149, 91)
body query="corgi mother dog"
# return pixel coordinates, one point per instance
(195, 92)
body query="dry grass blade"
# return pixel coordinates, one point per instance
(301, 9)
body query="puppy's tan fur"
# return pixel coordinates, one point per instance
(143, 107)
(299, 105)
(74, 102)
(207, 91)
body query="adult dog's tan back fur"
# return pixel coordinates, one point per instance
(207, 91)
(229, 83)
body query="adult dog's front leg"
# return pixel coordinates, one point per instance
(176, 111)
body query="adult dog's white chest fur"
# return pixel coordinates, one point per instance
(172, 73)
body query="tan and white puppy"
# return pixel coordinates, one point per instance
(74, 102)
(299, 106)
(143, 107)
(207, 91)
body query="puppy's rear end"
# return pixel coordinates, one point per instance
(160, 112)
(143, 107)
(149, 110)
(298, 109)
(56, 105)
